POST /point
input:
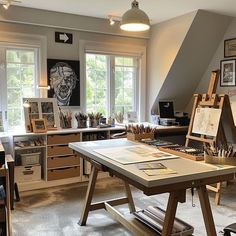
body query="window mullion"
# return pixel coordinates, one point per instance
(112, 85)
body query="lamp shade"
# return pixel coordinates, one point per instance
(135, 19)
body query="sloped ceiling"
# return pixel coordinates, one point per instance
(194, 55)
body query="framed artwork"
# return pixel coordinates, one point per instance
(39, 126)
(41, 108)
(64, 81)
(227, 73)
(230, 48)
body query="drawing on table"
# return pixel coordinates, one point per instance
(134, 154)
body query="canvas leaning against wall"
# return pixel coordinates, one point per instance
(64, 81)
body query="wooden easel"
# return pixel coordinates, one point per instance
(226, 130)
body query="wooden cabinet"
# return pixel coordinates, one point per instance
(58, 163)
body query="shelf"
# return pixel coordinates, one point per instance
(28, 147)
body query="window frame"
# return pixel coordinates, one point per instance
(9, 40)
(138, 51)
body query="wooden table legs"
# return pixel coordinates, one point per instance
(206, 211)
(89, 195)
(89, 206)
(175, 197)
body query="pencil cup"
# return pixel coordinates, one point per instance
(138, 137)
(220, 160)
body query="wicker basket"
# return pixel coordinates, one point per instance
(138, 137)
(220, 160)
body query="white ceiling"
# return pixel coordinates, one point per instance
(157, 10)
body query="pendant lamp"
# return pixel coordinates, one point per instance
(135, 19)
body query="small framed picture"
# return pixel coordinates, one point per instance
(227, 73)
(230, 47)
(38, 125)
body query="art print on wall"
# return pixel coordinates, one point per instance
(227, 73)
(230, 48)
(41, 108)
(63, 78)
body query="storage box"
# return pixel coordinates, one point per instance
(30, 159)
(27, 173)
(154, 218)
(138, 137)
(220, 160)
(62, 161)
(64, 173)
(59, 150)
(63, 138)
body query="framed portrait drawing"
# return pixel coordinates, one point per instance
(41, 108)
(227, 73)
(39, 125)
(230, 47)
(64, 81)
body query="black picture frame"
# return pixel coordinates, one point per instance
(227, 72)
(64, 75)
(230, 47)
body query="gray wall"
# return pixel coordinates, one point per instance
(163, 47)
(215, 64)
(192, 59)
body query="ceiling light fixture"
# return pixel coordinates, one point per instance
(135, 19)
(7, 3)
(113, 19)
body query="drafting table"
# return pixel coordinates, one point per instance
(189, 174)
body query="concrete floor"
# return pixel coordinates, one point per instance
(56, 211)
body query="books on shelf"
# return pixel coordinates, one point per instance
(154, 218)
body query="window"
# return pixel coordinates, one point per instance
(18, 78)
(111, 83)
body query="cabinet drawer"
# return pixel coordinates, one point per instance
(64, 173)
(63, 138)
(59, 150)
(55, 162)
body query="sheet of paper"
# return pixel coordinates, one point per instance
(206, 121)
(134, 154)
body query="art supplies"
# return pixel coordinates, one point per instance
(186, 152)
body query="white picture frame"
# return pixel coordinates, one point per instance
(41, 108)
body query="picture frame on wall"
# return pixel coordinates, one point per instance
(41, 108)
(230, 47)
(64, 81)
(39, 126)
(227, 73)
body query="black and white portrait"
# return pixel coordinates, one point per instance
(63, 78)
(228, 73)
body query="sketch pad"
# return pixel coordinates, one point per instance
(206, 121)
(134, 154)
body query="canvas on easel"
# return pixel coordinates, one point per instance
(217, 127)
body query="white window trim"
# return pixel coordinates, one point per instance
(19, 40)
(116, 49)
(34, 41)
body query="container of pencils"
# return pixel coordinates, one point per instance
(218, 160)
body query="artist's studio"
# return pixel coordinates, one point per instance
(117, 118)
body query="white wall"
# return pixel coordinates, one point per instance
(163, 46)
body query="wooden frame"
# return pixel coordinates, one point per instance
(227, 75)
(230, 47)
(39, 126)
(41, 108)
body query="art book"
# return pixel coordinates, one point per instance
(165, 171)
